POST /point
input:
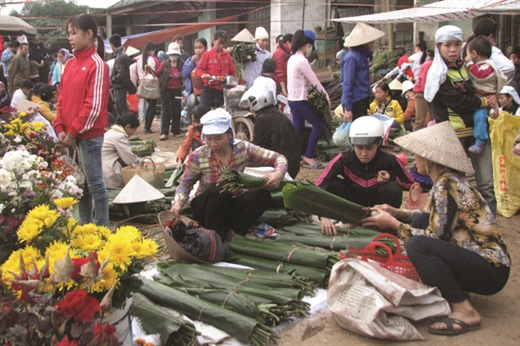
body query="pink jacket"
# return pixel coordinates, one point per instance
(300, 77)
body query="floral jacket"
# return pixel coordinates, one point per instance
(460, 215)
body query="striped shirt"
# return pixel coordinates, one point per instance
(203, 166)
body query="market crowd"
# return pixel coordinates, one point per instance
(442, 97)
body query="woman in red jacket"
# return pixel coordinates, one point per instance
(81, 114)
(281, 56)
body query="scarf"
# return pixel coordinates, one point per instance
(438, 70)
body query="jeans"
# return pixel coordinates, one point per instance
(218, 210)
(480, 131)
(93, 206)
(171, 111)
(454, 270)
(121, 105)
(209, 95)
(302, 111)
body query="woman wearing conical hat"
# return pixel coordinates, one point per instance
(455, 244)
(355, 75)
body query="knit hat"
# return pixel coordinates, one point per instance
(438, 143)
(261, 33)
(362, 34)
(244, 36)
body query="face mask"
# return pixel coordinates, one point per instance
(309, 51)
(198, 128)
(174, 57)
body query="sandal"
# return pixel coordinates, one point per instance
(317, 165)
(449, 327)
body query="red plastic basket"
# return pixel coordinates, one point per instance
(395, 262)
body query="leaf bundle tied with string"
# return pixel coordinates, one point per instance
(318, 101)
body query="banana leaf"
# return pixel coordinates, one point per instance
(328, 242)
(232, 181)
(303, 228)
(309, 198)
(243, 328)
(277, 217)
(284, 252)
(316, 275)
(155, 320)
(175, 177)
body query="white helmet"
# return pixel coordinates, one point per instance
(265, 99)
(366, 130)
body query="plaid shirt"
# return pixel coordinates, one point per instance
(204, 167)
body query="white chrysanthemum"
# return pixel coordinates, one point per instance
(17, 139)
(5, 179)
(2, 206)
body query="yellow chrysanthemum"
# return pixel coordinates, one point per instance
(12, 265)
(119, 251)
(41, 212)
(56, 251)
(104, 232)
(145, 248)
(81, 230)
(66, 202)
(108, 279)
(38, 126)
(130, 232)
(29, 229)
(22, 114)
(87, 242)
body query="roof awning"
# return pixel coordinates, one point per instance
(439, 11)
(165, 35)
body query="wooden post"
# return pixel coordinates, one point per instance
(390, 29)
(326, 26)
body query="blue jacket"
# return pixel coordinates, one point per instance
(355, 78)
(186, 74)
(7, 55)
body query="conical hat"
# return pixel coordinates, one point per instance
(131, 51)
(395, 85)
(244, 36)
(137, 190)
(438, 143)
(362, 34)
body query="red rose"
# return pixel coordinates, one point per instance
(65, 342)
(105, 333)
(78, 262)
(78, 304)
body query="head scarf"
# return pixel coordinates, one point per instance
(438, 70)
(509, 90)
(66, 55)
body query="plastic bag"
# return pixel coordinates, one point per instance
(506, 165)
(341, 135)
(369, 300)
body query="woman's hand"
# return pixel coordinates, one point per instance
(383, 220)
(388, 208)
(273, 180)
(327, 227)
(347, 115)
(383, 177)
(176, 208)
(179, 164)
(492, 101)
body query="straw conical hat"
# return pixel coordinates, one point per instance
(362, 34)
(137, 190)
(27, 106)
(395, 85)
(438, 143)
(244, 36)
(131, 51)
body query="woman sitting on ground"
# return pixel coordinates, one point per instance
(214, 208)
(455, 245)
(43, 94)
(383, 104)
(274, 131)
(117, 152)
(369, 175)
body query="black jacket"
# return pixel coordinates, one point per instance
(120, 78)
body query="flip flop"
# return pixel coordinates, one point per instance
(449, 327)
(317, 165)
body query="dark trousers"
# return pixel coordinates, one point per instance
(121, 105)
(389, 193)
(150, 113)
(171, 111)
(360, 108)
(218, 210)
(302, 111)
(452, 269)
(208, 97)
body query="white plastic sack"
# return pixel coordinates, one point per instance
(341, 135)
(372, 301)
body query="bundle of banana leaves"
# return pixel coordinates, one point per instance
(174, 331)
(309, 198)
(279, 217)
(265, 296)
(142, 147)
(318, 101)
(317, 276)
(243, 52)
(243, 328)
(233, 181)
(285, 252)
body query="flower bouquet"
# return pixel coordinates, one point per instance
(68, 276)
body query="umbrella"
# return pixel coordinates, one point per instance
(10, 25)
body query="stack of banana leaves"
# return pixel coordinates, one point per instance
(320, 105)
(327, 151)
(142, 147)
(174, 331)
(244, 303)
(148, 210)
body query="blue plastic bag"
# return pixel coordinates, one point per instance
(341, 136)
